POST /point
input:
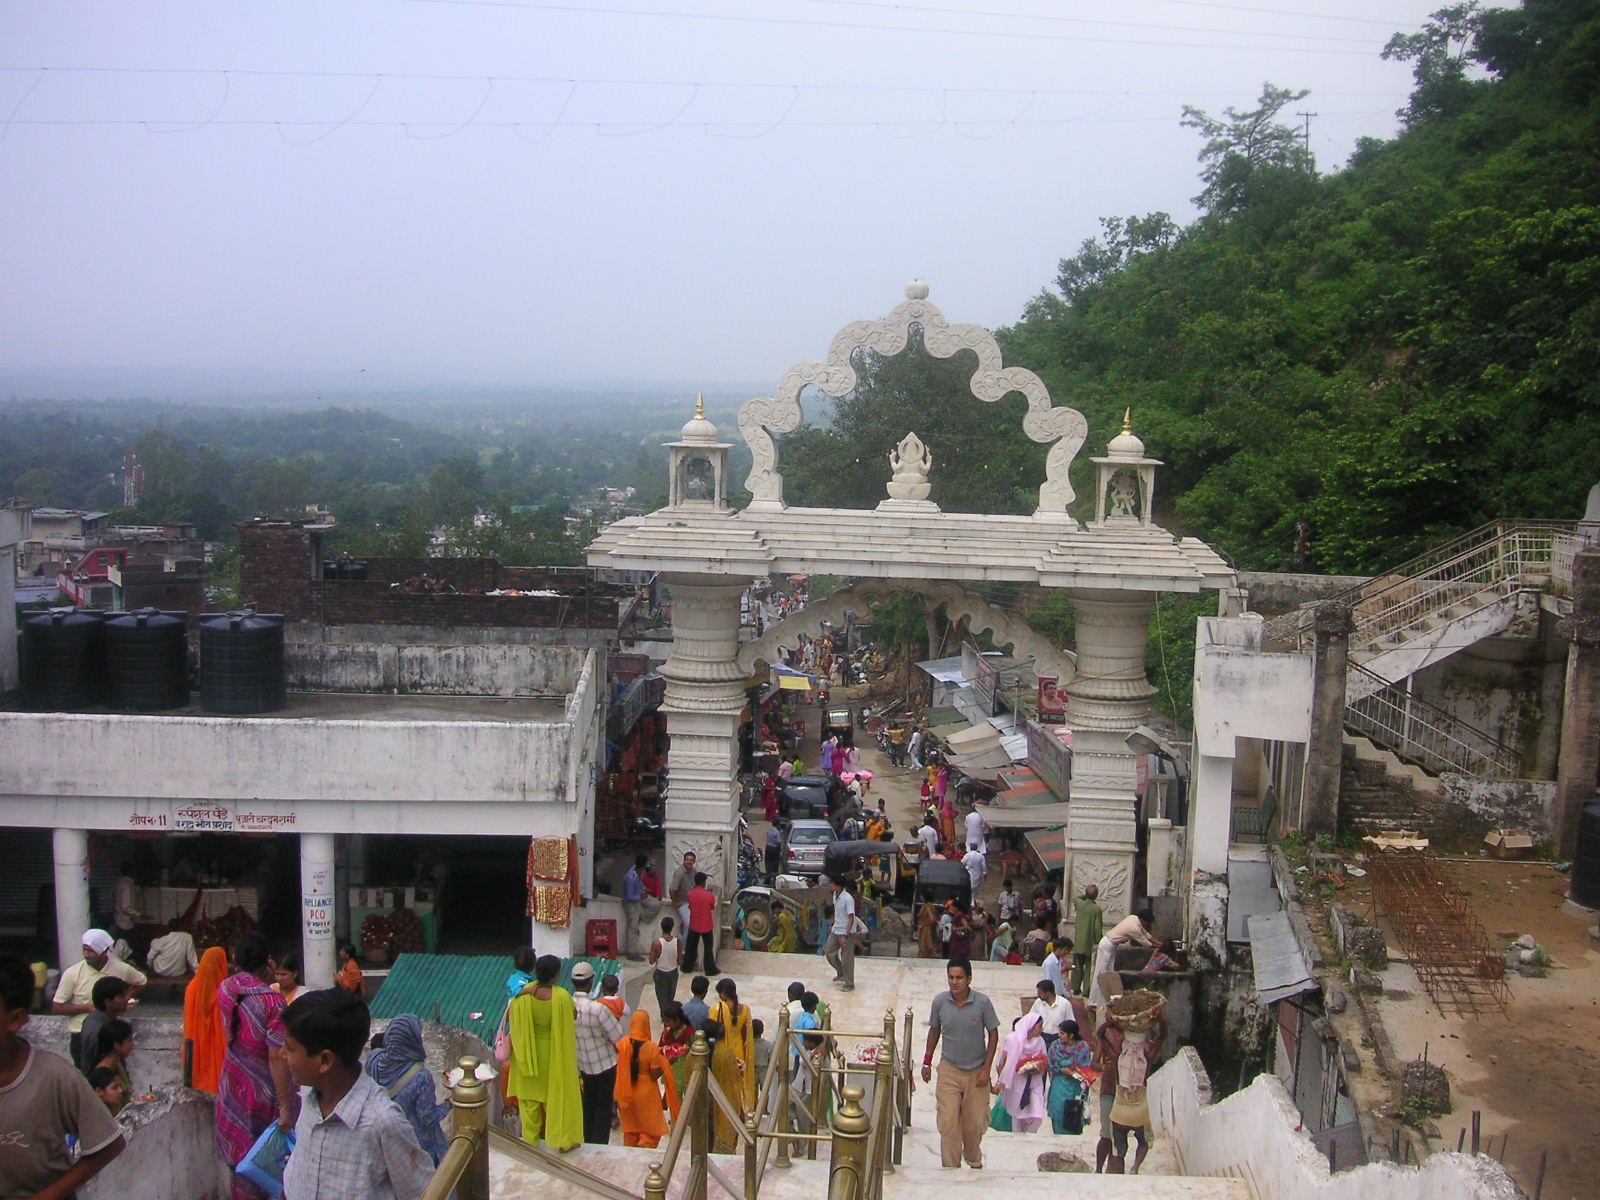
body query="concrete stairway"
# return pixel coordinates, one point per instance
(1458, 621)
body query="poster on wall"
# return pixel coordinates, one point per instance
(1052, 702)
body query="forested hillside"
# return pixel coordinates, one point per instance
(1339, 370)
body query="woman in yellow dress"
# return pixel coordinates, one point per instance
(543, 1071)
(733, 1062)
(787, 938)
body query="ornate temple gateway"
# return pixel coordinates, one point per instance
(1112, 567)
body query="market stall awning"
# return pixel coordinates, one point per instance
(938, 716)
(979, 737)
(945, 670)
(1049, 847)
(795, 683)
(1027, 816)
(984, 764)
(1280, 968)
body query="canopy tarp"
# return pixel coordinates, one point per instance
(985, 764)
(795, 683)
(979, 737)
(1025, 816)
(1049, 847)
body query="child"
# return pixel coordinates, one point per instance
(609, 987)
(108, 1085)
(43, 1100)
(351, 1141)
(115, 1048)
(695, 1009)
(349, 975)
(110, 999)
(763, 1048)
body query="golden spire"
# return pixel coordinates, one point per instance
(1127, 420)
(700, 407)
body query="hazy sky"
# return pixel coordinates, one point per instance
(676, 192)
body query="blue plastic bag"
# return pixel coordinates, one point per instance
(263, 1163)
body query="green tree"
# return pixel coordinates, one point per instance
(1247, 153)
(1441, 51)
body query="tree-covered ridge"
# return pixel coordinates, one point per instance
(1385, 356)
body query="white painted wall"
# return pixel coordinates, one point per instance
(15, 528)
(1255, 1135)
(432, 670)
(1240, 691)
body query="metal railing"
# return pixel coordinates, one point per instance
(1502, 556)
(464, 1169)
(1429, 736)
(865, 1139)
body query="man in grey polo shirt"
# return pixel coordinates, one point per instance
(971, 1032)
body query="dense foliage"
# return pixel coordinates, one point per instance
(1341, 371)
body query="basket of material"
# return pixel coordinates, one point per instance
(1136, 1010)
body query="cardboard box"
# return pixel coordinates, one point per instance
(1509, 843)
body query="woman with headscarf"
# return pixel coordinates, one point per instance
(787, 938)
(733, 1062)
(643, 1075)
(1020, 1074)
(677, 1035)
(255, 1088)
(203, 1044)
(400, 1067)
(543, 1071)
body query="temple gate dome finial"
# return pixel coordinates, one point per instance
(698, 428)
(1125, 444)
(917, 289)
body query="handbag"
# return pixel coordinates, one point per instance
(999, 1116)
(502, 1039)
(263, 1163)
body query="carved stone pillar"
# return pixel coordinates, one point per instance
(1109, 695)
(704, 697)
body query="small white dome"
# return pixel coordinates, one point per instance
(917, 289)
(697, 428)
(1125, 444)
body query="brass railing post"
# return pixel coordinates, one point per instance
(752, 1176)
(469, 1115)
(780, 1123)
(700, 1120)
(655, 1187)
(821, 1086)
(847, 1172)
(883, 1105)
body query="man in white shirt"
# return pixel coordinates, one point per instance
(977, 866)
(123, 902)
(841, 947)
(929, 836)
(1058, 967)
(977, 832)
(75, 992)
(599, 1030)
(1052, 1010)
(172, 955)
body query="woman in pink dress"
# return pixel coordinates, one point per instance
(255, 1089)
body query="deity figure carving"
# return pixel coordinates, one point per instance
(1124, 494)
(910, 462)
(697, 479)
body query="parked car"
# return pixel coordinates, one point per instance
(805, 845)
(816, 798)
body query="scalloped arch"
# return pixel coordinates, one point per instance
(958, 603)
(764, 416)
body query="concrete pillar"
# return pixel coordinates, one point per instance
(1319, 803)
(704, 697)
(1578, 763)
(1109, 696)
(317, 951)
(72, 894)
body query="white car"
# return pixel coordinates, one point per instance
(804, 846)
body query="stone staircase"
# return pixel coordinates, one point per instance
(1454, 622)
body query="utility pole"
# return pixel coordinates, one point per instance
(1311, 162)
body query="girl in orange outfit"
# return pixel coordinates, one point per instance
(642, 1073)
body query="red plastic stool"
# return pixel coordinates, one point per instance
(601, 938)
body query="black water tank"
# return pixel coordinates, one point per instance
(63, 661)
(1586, 863)
(147, 659)
(241, 663)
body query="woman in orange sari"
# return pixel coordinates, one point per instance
(642, 1074)
(202, 1025)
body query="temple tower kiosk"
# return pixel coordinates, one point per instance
(1113, 567)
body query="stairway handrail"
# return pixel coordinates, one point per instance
(1420, 564)
(1503, 758)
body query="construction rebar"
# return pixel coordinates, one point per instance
(1455, 962)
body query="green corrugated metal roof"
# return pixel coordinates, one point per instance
(455, 986)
